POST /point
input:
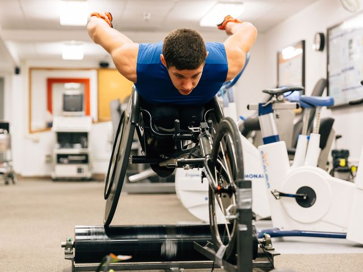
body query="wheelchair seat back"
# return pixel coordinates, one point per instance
(158, 123)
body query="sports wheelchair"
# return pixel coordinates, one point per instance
(213, 145)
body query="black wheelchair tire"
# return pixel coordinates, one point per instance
(122, 163)
(227, 136)
(115, 153)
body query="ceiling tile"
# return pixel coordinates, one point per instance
(33, 28)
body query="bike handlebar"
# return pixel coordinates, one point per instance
(277, 106)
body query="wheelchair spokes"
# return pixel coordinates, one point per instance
(226, 168)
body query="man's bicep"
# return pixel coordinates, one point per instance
(125, 60)
(236, 60)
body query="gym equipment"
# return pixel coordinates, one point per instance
(303, 196)
(139, 178)
(340, 164)
(214, 145)
(250, 127)
(193, 150)
(6, 166)
(72, 154)
(194, 195)
(170, 248)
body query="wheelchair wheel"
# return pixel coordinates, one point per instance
(226, 166)
(118, 164)
(114, 157)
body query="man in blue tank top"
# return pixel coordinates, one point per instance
(178, 76)
(182, 70)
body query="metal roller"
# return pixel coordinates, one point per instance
(143, 243)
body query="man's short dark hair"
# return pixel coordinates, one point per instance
(184, 49)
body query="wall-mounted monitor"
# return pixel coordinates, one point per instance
(345, 60)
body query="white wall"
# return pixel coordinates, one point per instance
(30, 150)
(39, 92)
(7, 95)
(302, 26)
(248, 89)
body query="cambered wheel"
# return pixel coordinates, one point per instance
(114, 157)
(118, 165)
(226, 166)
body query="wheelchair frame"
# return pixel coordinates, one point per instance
(220, 156)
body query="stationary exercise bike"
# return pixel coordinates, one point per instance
(303, 196)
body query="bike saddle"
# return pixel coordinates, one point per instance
(317, 101)
(279, 91)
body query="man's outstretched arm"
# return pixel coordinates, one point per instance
(122, 50)
(241, 38)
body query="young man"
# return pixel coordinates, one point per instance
(181, 70)
(178, 76)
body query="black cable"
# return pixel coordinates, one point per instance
(264, 251)
(212, 267)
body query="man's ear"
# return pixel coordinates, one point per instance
(163, 60)
(207, 54)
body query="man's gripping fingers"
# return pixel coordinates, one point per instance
(106, 16)
(227, 19)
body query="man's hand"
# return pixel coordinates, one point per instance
(227, 19)
(106, 16)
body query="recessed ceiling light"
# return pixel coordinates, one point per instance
(219, 11)
(74, 12)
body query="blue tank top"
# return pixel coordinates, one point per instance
(155, 86)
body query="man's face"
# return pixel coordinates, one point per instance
(185, 80)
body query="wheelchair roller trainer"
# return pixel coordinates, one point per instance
(219, 153)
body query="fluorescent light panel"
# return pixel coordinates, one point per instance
(219, 11)
(74, 13)
(72, 85)
(73, 51)
(355, 23)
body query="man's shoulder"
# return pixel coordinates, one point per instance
(149, 52)
(216, 53)
(151, 46)
(214, 45)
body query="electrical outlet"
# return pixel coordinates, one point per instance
(48, 158)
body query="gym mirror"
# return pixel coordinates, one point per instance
(291, 65)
